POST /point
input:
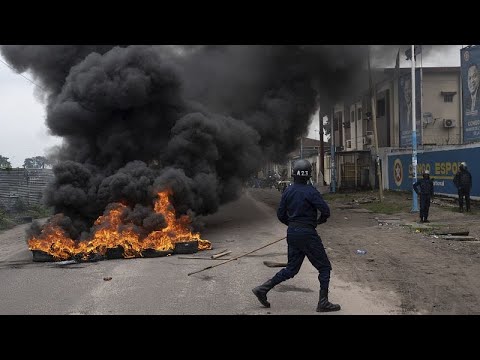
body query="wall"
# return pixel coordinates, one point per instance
(27, 185)
(433, 102)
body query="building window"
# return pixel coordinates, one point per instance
(380, 107)
(448, 96)
(352, 116)
(359, 114)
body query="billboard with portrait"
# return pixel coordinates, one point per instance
(470, 65)
(405, 108)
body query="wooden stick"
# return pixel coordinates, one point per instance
(216, 256)
(200, 258)
(235, 258)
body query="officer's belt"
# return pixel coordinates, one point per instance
(300, 225)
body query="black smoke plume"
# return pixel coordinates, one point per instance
(199, 120)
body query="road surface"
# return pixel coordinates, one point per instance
(161, 285)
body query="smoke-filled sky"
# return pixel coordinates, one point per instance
(22, 114)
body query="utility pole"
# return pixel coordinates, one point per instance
(414, 136)
(333, 174)
(321, 161)
(375, 132)
(301, 147)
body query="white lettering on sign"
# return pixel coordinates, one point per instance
(473, 123)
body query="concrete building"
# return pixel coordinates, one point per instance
(439, 122)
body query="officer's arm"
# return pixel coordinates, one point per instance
(320, 204)
(431, 187)
(415, 187)
(282, 210)
(455, 180)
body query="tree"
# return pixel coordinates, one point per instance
(4, 163)
(37, 162)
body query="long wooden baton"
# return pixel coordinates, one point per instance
(235, 258)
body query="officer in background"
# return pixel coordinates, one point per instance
(298, 210)
(424, 188)
(463, 182)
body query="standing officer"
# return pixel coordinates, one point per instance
(424, 188)
(298, 210)
(463, 182)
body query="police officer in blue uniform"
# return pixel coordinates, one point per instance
(299, 209)
(424, 188)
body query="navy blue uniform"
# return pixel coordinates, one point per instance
(424, 188)
(298, 210)
(463, 182)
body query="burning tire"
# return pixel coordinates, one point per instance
(188, 247)
(152, 253)
(114, 253)
(42, 256)
(94, 257)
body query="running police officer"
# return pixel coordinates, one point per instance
(298, 210)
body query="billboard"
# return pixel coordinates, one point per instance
(470, 65)
(405, 107)
(442, 164)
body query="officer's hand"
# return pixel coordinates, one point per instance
(322, 220)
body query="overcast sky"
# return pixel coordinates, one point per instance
(22, 117)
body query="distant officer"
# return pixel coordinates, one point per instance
(463, 182)
(424, 188)
(298, 210)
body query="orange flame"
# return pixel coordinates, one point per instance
(111, 233)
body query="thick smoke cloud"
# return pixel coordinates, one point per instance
(49, 64)
(198, 120)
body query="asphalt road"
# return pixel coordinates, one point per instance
(161, 285)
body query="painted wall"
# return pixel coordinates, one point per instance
(442, 164)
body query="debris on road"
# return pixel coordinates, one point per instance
(365, 200)
(459, 238)
(66, 262)
(107, 278)
(274, 264)
(361, 252)
(450, 233)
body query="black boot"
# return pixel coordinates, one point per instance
(324, 305)
(261, 292)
